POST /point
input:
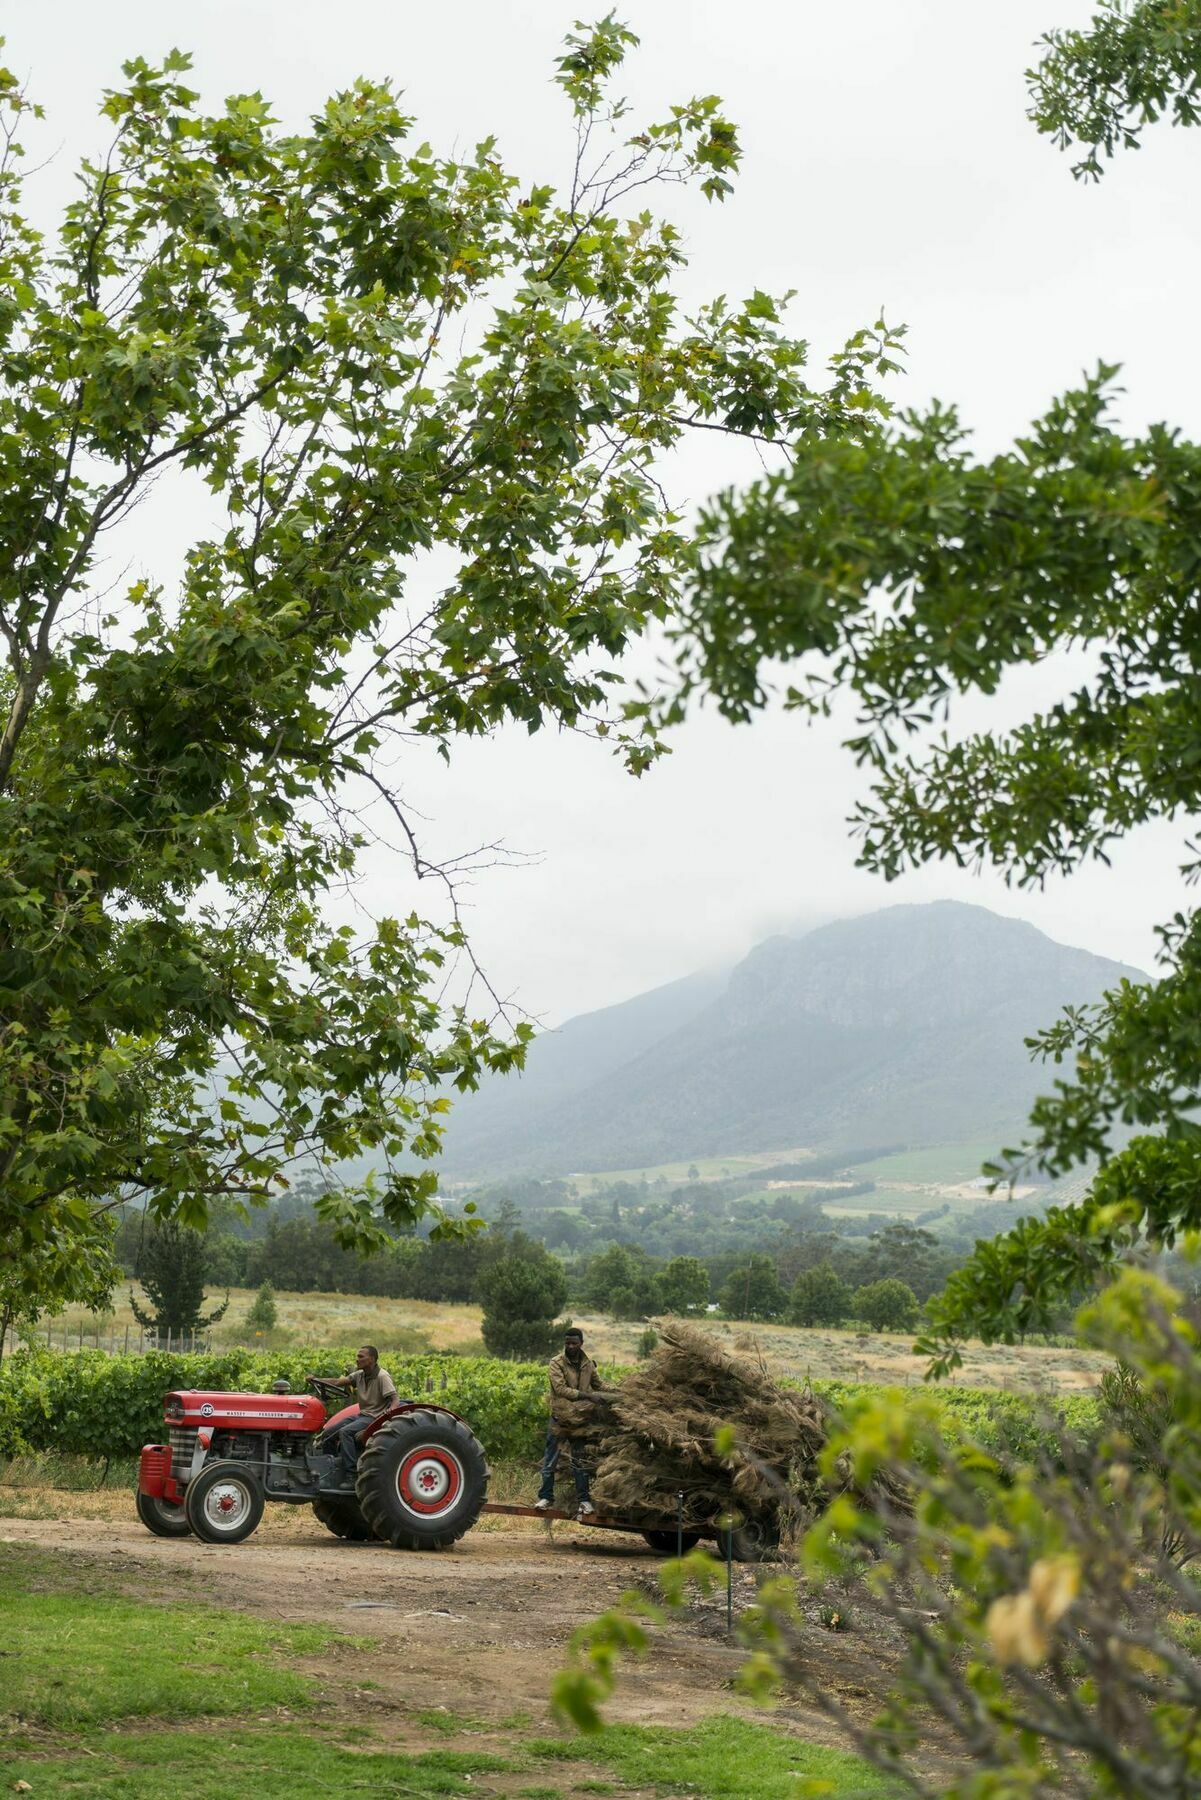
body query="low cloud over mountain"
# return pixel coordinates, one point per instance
(904, 1026)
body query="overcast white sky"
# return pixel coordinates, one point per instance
(888, 163)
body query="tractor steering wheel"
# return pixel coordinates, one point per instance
(321, 1387)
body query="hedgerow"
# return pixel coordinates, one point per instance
(1027, 1427)
(88, 1403)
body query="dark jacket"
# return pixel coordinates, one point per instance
(569, 1384)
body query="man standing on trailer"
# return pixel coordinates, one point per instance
(375, 1391)
(573, 1381)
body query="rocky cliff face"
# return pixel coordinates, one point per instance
(906, 1026)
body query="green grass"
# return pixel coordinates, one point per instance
(69, 1473)
(724, 1759)
(78, 1656)
(108, 1698)
(231, 1762)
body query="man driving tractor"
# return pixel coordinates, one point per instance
(375, 1391)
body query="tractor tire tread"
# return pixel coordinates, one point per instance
(344, 1517)
(377, 1488)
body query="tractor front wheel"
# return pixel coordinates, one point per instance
(422, 1479)
(224, 1503)
(343, 1516)
(164, 1517)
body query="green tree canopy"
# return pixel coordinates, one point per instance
(171, 1269)
(1099, 88)
(753, 1291)
(80, 1272)
(622, 1281)
(684, 1285)
(887, 1305)
(349, 352)
(897, 570)
(819, 1296)
(520, 1293)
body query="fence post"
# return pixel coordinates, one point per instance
(127, 1340)
(729, 1575)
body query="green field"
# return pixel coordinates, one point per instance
(937, 1163)
(905, 1202)
(708, 1168)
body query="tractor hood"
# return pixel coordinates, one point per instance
(190, 1407)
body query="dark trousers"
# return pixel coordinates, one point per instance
(550, 1462)
(344, 1441)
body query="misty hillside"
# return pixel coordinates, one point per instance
(905, 1026)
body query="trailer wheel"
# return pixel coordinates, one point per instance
(670, 1543)
(164, 1517)
(224, 1503)
(343, 1516)
(422, 1479)
(754, 1541)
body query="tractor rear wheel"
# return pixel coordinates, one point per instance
(164, 1517)
(670, 1543)
(224, 1503)
(422, 1479)
(343, 1516)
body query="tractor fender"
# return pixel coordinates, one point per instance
(407, 1406)
(393, 1412)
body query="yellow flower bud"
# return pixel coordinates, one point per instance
(1015, 1631)
(1054, 1584)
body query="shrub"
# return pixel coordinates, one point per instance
(264, 1314)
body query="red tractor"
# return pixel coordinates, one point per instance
(421, 1481)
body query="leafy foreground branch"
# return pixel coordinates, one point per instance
(1050, 1625)
(344, 353)
(902, 574)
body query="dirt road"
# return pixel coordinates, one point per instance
(479, 1630)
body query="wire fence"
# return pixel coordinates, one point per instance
(115, 1340)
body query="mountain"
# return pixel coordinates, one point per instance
(562, 1066)
(904, 1026)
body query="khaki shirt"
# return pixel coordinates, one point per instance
(569, 1379)
(375, 1393)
